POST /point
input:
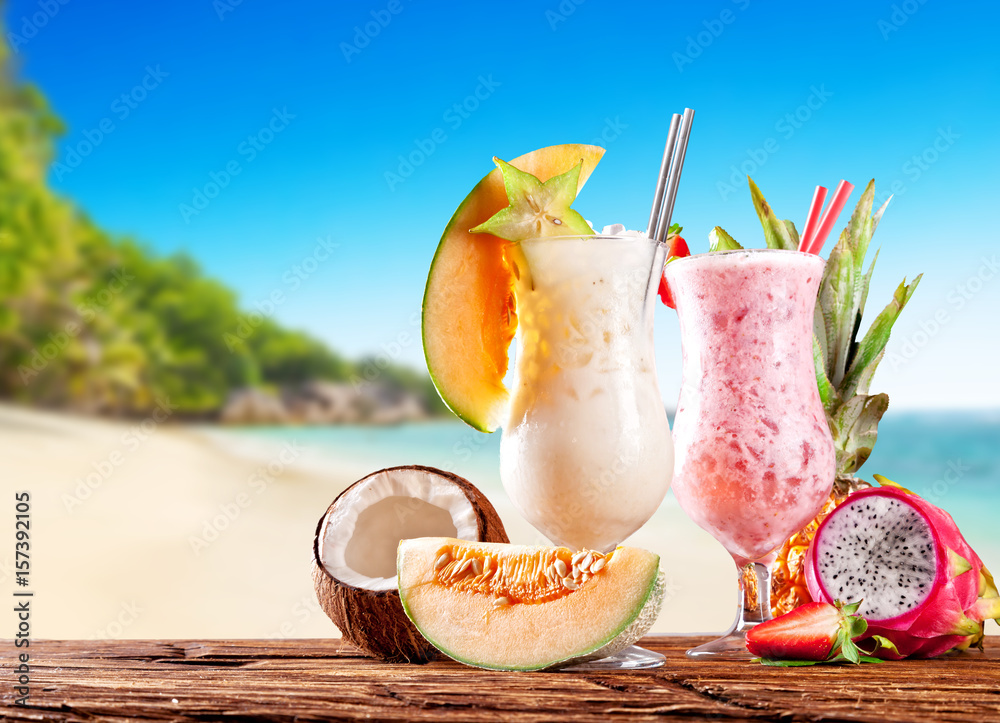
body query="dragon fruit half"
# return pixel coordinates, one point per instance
(921, 585)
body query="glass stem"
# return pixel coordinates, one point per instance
(752, 608)
(754, 605)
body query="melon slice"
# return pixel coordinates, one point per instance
(469, 309)
(517, 607)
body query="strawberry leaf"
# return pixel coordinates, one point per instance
(851, 609)
(851, 626)
(880, 643)
(856, 626)
(776, 663)
(850, 651)
(870, 659)
(840, 658)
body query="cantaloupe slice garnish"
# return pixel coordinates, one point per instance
(469, 307)
(505, 607)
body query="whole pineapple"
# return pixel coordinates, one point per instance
(844, 370)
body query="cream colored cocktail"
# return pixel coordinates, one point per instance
(586, 454)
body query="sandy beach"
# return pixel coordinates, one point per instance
(145, 529)
(150, 530)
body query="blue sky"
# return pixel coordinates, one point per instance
(314, 103)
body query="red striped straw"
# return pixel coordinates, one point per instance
(814, 208)
(829, 217)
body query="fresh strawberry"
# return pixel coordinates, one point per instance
(813, 633)
(806, 633)
(665, 296)
(677, 248)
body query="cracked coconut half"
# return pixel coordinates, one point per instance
(354, 551)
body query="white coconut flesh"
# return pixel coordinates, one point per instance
(879, 550)
(361, 533)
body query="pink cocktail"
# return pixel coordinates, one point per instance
(754, 458)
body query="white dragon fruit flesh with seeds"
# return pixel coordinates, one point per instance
(920, 583)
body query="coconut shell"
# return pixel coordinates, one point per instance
(374, 621)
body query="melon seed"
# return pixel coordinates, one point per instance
(509, 580)
(598, 565)
(579, 556)
(587, 561)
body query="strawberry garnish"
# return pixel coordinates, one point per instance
(812, 633)
(677, 248)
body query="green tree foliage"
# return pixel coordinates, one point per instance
(104, 325)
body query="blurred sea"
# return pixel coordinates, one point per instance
(951, 458)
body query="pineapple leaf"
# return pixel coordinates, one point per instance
(865, 283)
(719, 240)
(776, 233)
(827, 393)
(855, 427)
(844, 365)
(836, 298)
(852, 350)
(877, 216)
(820, 338)
(864, 378)
(860, 227)
(793, 233)
(872, 347)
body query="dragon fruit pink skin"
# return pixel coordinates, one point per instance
(962, 593)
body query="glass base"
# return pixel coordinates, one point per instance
(731, 646)
(631, 658)
(753, 607)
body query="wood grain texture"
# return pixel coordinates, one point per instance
(317, 680)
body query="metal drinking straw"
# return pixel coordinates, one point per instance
(661, 181)
(668, 186)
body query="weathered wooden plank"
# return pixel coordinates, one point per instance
(307, 680)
